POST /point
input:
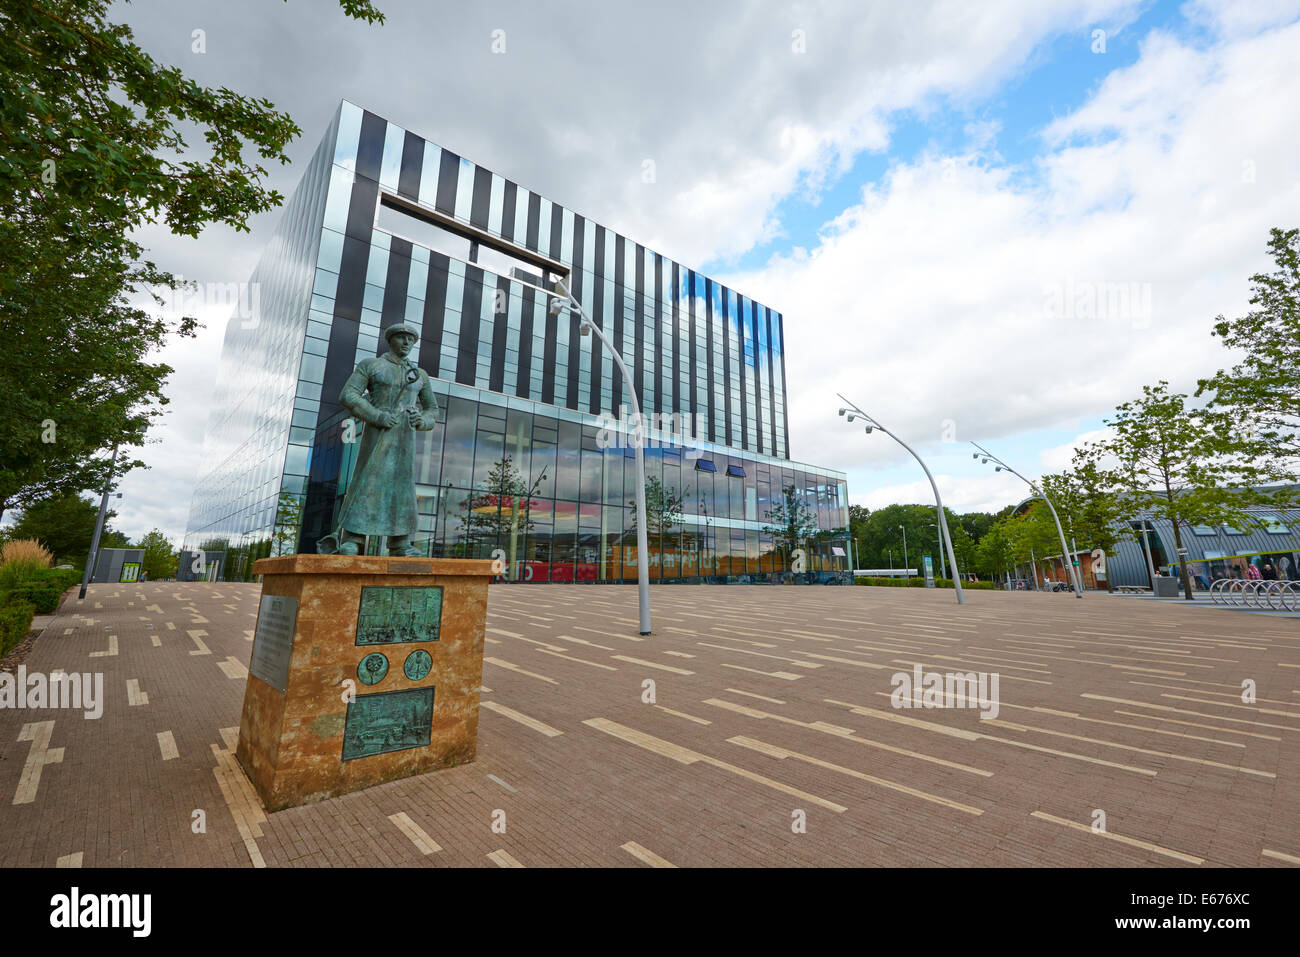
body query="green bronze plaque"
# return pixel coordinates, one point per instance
(394, 613)
(417, 664)
(372, 669)
(388, 721)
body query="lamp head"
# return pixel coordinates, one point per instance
(557, 306)
(997, 468)
(842, 411)
(867, 430)
(851, 418)
(584, 329)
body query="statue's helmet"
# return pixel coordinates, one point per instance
(396, 327)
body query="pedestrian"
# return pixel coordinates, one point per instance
(1270, 573)
(1252, 572)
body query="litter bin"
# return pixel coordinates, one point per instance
(1167, 586)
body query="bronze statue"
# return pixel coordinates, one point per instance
(393, 397)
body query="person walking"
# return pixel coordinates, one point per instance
(1252, 572)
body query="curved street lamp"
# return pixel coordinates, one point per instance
(558, 302)
(985, 456)
(938, 501)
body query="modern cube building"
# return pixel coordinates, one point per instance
(532, 459)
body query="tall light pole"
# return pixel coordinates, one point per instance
(642, 544)
(93, 557)
(907, 566)
(986, 456)
(938, 501)
(935, 526)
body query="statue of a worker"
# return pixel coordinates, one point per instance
(393, 397)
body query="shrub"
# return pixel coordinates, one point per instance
(22, 559)
(15, 622)
(44, 595)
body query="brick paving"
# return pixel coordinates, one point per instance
(771, 706)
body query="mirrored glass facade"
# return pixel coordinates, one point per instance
(531, 459)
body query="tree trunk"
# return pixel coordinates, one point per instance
(1183, 571)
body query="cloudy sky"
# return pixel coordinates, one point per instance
(990, 221)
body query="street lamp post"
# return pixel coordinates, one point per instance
(938, 501)
(986, 456)
(93, 557)
(907, 566)
(942, 572)
(642, 544)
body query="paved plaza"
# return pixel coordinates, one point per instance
(771, 738)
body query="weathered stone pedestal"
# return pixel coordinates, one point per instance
(402, 638)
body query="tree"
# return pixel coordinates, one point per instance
(1090, 498)
(65, 524)
(1260, 395)
(90, 135)
(160, 557)
(499, 507)
(1175, 462)
(792, 521)
(994, 554)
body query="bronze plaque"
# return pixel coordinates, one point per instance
(388, 721)
(396, 613)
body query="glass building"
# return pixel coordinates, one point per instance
(532, 458)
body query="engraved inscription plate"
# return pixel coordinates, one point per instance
(388, 721)
(393, 613)
(273, 640)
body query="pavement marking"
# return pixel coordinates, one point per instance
(500, 663)
(523, 719)
(846, 733)
(67, 631)
(233, 667)
(687, 756)
(762, 654)
(512, 790)
(157, 641)
(248, 634)
(241, 800)
(1225, 704)
(41, 754)
(651, 664)
(774, 751)
(1198, 714)
(750, 694)
(167, 745)
(1194, 724)
(783, 675)
(581, 661)
(70, 860)
(1132, 841)
(422, 841)
(606, 634)
(110, 652)
(502, 859)
(484, 689)
(170, 626)
(197, 637)
(134, 696)
(999, 723)
(1279, 856)
(645, 856)
(584, 641)
(679, 654)
(845, 661)
(974, 735)
(683, 714)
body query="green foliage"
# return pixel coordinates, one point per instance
(44, 596)
(663, 507)
(918, 582)
(792, 522)
(160, 558)
(65, 524)
(1260, 395)
(1182, 465)
(15, 622)
(91, 152)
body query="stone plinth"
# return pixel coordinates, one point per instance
(403, 637)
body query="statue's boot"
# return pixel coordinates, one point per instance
(399, 546)
(350, 544)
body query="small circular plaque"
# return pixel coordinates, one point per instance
(372, 669)
(417, 664)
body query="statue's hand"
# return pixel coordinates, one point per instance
(387, 420)
(414, 418)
